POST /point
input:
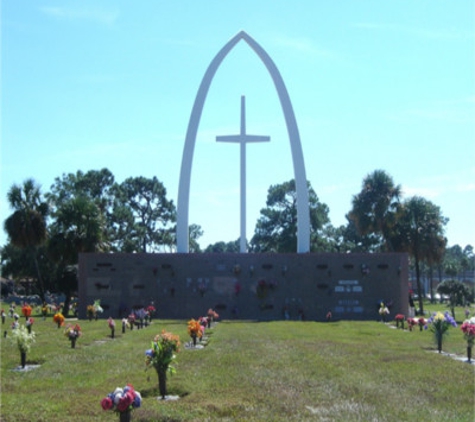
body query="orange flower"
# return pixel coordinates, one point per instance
(26, 310)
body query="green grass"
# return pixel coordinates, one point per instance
(249, 371)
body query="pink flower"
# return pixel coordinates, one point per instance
(107, 403)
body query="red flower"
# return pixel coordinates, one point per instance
(125, 401)
(107, 403)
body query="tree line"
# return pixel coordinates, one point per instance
(91, 212)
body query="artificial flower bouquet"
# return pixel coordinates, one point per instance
(151, 311)
(91, 312)
(73, 332)
(161, 356)
(383, 311)
(111, 324)
(23, 340)
(44, 310)
(29, 323)
(399, 318)
(422, 323)
(439, 324)
(26, 310)
(468, 329)
(411, 322)
(58, 318)
(122, 399)
(162, 353)
(195, 330)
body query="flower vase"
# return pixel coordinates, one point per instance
(123, 328)
(3, 319)
(28, 327)
(125, 416)
(73, 343)
(469, 354)
(439, 344)
(23, 359)
(194, 340)
(162, 383)
(112, 332)
(59, 325)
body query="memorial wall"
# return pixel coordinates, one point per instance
(259, 287)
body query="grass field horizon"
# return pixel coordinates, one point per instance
(249, 371)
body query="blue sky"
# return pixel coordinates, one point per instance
(374, 85)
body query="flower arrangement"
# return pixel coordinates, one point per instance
(125, 322)
(399, 318)
(111, 324)
(439, 324)
(122, 400)
(29, 323)
(26, 310)
(151, 311)
(194, 330)
(73, 332)
(383, 311)
(422, 322)
(141, 314)
(468, 329)
(44, 310)
(15, 323)
(58, 318)
(411, 323)
(212, 316)
(131, 320)
(23, 340)
(161, 356)
(91, 312)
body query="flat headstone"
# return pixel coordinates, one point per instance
(26, 368)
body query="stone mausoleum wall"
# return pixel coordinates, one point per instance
(245, 286)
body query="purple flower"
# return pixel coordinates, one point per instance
(449, 319)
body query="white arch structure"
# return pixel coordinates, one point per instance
(303, 219)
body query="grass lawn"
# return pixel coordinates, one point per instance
(249, 371)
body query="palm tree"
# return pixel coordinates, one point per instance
(26, 227)
(376, 207)
(420, 233)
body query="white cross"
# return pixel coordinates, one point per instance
(243, 139)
